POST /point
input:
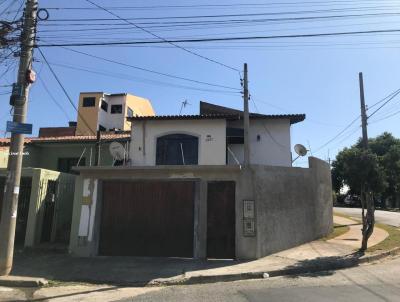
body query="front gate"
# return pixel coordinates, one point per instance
(23, 207)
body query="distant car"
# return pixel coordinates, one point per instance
(352, 201)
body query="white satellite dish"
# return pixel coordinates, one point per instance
(300, 150)
(117, 151)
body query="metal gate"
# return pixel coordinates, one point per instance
(56, 210)
(23, 207)
(147, 218)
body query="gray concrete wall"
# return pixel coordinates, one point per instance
(292, 205)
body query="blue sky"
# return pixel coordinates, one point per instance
(315, 76)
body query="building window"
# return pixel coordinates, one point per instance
(89, 102)
(102, 128)
(104, 105)
(65, 164)
(130, 112)
(177, 149)
(116, 109)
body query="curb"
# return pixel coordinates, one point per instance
(14, 281)
(295, 271)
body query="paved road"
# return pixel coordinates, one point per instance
(386, 217)
(369, 283)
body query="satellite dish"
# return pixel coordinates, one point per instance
(117, 151)
(300, 150)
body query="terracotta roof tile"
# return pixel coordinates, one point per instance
(77, 138)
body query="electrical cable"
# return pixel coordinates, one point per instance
(53, 98)
(159, 37)
(384, 104)
(149, 70)
(224, 39)
(65, 91)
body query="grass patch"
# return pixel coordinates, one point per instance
(338, 230)
(391, 242)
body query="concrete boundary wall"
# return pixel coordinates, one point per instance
(292, 205)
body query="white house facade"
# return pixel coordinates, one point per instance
(213, 138)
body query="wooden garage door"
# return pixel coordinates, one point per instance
(147, 218)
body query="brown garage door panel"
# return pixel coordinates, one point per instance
(147, 219)
(221, 220)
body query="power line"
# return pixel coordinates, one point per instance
(54, 99)
(127, 77)
(149, 70)
(337, 135)
(266, 128)
(65, 91)
(385, 98)
(224, 39)
(159, 37)
(385, 103)
(251, 15)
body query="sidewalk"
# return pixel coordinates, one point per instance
(130, 271)
(353, 237)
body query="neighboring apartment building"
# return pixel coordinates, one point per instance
(104, 112)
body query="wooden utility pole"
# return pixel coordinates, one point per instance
(11, 192)
(246, 118)
(368, 219)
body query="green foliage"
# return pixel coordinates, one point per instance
(356, 167)
(379, 167)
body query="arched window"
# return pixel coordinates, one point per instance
(177, 149)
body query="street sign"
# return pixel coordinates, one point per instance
(19, 128)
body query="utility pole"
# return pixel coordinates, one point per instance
(368, 219)
(246, 118)
(363, 113)
(98, 149)
(11, 192)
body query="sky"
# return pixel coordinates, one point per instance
(317, 76)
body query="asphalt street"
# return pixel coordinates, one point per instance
(386, 217)
(375, 282)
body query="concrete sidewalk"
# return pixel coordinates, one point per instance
(130, 271)
(353, 237)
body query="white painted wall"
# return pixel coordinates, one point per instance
(267, 151)
(211, 152)
(108, 120)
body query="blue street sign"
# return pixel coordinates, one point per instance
(19, 128)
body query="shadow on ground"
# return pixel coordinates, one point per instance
(111, 270)
(322, 266)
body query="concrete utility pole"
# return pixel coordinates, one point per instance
(98, 149)
(367, 201)
(11, 192)
(363, 113)
(246, 118)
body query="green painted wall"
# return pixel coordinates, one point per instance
(46, 155)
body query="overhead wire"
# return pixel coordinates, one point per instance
(149, 70)
(296, 36)
(159, 37)
(65, 91)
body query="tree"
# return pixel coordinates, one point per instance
(360, 170)
(387, 149)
